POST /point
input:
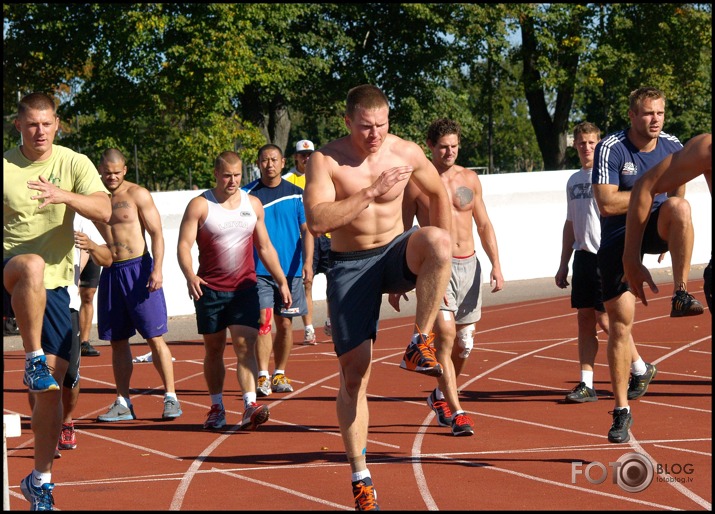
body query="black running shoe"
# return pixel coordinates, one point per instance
(684, 304)
(441, 409)
(581, 394)
(462, 425)
(638, 384)
(622, 421)
(87, 350)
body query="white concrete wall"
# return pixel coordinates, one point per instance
(527, 210)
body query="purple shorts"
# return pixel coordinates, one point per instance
(125, 305)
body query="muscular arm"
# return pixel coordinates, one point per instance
(426, 177)
(487, 236)
(567, 241)
(152, 223)
(100, 254)
(610, 200)
(413, 205)
(95, 206)
(188, 230)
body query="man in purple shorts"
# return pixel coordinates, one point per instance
(131, 298)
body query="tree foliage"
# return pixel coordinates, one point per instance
(172, 85)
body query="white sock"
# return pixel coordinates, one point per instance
(361, 475)
(438, 394)
(309, 327)
(40, 478)
(124, 402)
(587, 378)
(628, 408)
(279, 372)
(638, 367)
(170, 395)
(263, 373)
(31, 355)
(217, 399)
(248, 399)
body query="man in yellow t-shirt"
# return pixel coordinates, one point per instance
(296, 175)
(44, 185)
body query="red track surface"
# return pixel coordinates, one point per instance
(521, 457)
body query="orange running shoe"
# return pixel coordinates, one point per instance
(365, 495)
(420, 357)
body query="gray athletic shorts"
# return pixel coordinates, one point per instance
(463, 295)
(269, 296)
(356, 283)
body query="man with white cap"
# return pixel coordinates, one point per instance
(303, 149)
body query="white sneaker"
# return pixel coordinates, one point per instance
(309, 337)
(264, 386)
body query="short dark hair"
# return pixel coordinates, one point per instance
(228, 158)
(37, 101)
(112, 155)
(365, 96)
(443, 127)
(635, 99)
(269, 146)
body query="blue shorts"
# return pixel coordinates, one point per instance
(356, 283)
(269, 296)
(56, 322)
(610, 259)
(217, 310)
(125, 306)
(321, 255)
(72, 376)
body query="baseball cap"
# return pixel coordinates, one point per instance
(303, 146)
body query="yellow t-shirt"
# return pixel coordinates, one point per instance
(48, 231)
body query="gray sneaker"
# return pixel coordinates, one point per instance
(172, 409)
(264, 386)
(118, 412)
(281, 384)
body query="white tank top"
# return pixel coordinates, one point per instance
(225, 242)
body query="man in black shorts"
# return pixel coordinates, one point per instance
(88, 282)
(621, 158)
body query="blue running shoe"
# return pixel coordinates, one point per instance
(38, 377)
(40, 498)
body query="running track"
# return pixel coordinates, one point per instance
(522, 457)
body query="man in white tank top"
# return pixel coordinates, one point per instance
(226, 223)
